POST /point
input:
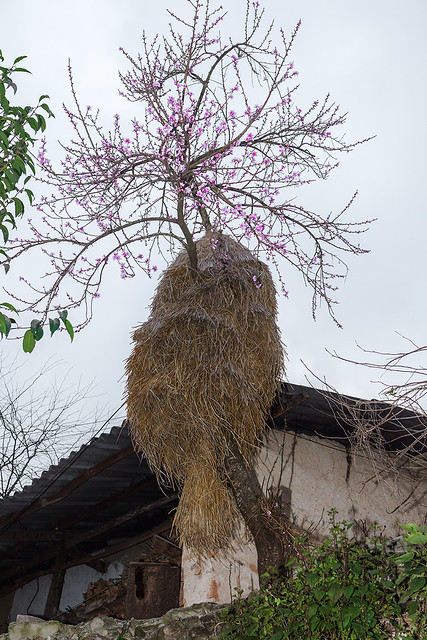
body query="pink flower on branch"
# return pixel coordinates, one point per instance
(189, 163)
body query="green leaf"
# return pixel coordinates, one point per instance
(53, 325)
(8, 306)
(416, 584)
(406, 557)
(10, 218)
(69, 328)
(388, 584)
(325, 609)
(8, 322)
(335, 592)
(5, 233)
(12, 176)
(361, 591)
(348, 591)
(22, 69)
(33, 123)
(36, 329)
(3, 325)
(312, 578)
(63, 315)
(18, 165)
(416, 538)
(356, 568)
(401, 578)
(30, 164)
(19, 59)
(47, 109)
(41, 121)
(5, 265)
(29, 341)
(318, 594)
(411, 528)
(30, 195)
(354, 610)
(412, 608)
(359, 629)
(312, 611)
(346, 621)
(19, 207)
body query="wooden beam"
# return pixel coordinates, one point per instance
(27, 536)
(130, 515)
(41, 503)
(72, 542)
(54, 595)
(77, 552)
(87, 559)
(82, 514)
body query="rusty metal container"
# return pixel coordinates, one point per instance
(152, 589)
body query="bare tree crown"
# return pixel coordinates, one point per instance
(219, 143)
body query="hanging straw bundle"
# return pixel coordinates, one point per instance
(203, 374)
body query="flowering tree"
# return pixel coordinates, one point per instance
(219, 147)
(219, 144)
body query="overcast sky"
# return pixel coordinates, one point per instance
(372, 57)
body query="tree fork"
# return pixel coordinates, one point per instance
(190, 244)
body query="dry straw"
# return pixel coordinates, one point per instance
(203, 374)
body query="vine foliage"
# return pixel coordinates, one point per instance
(18, 128)
(342, 589)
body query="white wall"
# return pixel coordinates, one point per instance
(215, 578)
(320, 475)
(31, 598)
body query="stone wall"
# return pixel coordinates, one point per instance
(199, 622)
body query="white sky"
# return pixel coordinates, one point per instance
(371, 55)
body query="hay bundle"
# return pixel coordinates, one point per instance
(203, 373)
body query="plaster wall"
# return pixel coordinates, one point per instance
(215, 578)
(318, 475)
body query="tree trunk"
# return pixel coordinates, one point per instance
(246, 490)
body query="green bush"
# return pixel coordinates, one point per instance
(342, 589)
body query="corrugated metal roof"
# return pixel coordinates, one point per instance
(68, 503)
(336, 417)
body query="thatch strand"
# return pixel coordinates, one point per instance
(203, 373)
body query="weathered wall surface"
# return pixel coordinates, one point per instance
(322, 474)
(200, 622)
(31, 599)
(318, 475)
(215, 579)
